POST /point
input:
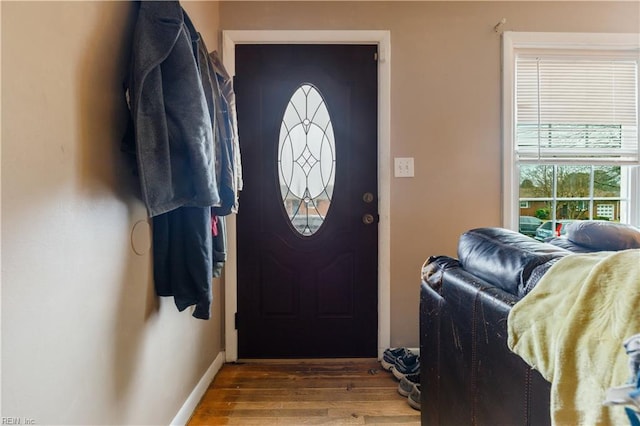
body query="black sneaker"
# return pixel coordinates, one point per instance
(407, 383)
(414, 398)
(408, 364)
(389, 357)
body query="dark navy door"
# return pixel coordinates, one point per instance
(307, 228)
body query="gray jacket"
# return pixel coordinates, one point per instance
(229, 168)
(173, 128)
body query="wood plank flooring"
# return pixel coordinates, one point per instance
(304, 392)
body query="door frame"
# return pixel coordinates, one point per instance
(378, 37)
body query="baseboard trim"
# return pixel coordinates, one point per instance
(194, 398)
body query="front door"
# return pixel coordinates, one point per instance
(307, 227)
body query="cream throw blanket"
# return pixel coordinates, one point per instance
(571, 327)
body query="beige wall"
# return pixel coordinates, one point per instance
(445, 109)
(84, 339)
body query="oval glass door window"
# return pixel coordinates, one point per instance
(306, 160)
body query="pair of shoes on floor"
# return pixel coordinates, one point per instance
(409, 386)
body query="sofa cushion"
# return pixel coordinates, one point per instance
(567, 244)
(504, 258)
(603, 235)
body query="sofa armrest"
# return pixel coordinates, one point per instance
(504, 258)
(466, 365)
(433, 270)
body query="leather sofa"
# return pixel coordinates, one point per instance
(468, 374)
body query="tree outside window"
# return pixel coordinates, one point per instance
(571, 192)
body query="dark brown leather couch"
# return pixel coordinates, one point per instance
(469, 376)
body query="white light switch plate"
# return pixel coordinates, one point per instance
(403, 167)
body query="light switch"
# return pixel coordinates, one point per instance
(403, 167)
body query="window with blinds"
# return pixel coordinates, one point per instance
(576, 108)
(570, 125)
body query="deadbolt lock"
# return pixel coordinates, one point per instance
(367, 197)
(368, 219)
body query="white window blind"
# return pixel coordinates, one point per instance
(577, 108)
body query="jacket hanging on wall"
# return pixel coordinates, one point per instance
(173, 118)
(172, 122)
(183, 258)
(228, 165)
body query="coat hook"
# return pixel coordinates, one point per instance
(500, 24)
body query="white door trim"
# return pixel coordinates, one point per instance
(383, 40)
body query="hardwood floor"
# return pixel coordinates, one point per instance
(304, 392)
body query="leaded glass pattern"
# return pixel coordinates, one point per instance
(306, 159)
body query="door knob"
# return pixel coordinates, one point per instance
(368, 219)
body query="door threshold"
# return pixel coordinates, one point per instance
(300, 360)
